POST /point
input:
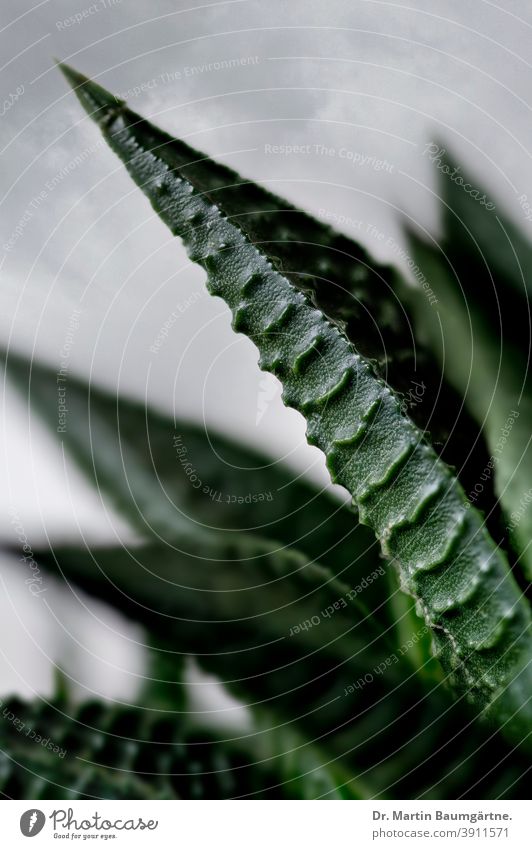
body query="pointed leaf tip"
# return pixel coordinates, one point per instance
(75, 78)
(92, 96)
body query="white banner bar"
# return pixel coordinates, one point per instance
(266, 824)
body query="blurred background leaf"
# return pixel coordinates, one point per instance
(97, 750)
(481, 272)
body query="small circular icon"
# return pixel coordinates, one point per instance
(32, 822)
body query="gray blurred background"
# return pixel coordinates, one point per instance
(331, 105)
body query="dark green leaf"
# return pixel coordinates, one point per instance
(170, 477)
(486, 365)
(394, 731)
(480, 625)
(352, 289)
(97, 750)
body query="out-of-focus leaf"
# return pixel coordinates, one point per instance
(257, 610)
(491, 373)
(97, 750)
(164, 685)
(481, 234)
(150, 464)
(392, 730)
(485, 281)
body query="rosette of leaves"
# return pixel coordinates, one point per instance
(397, 668)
